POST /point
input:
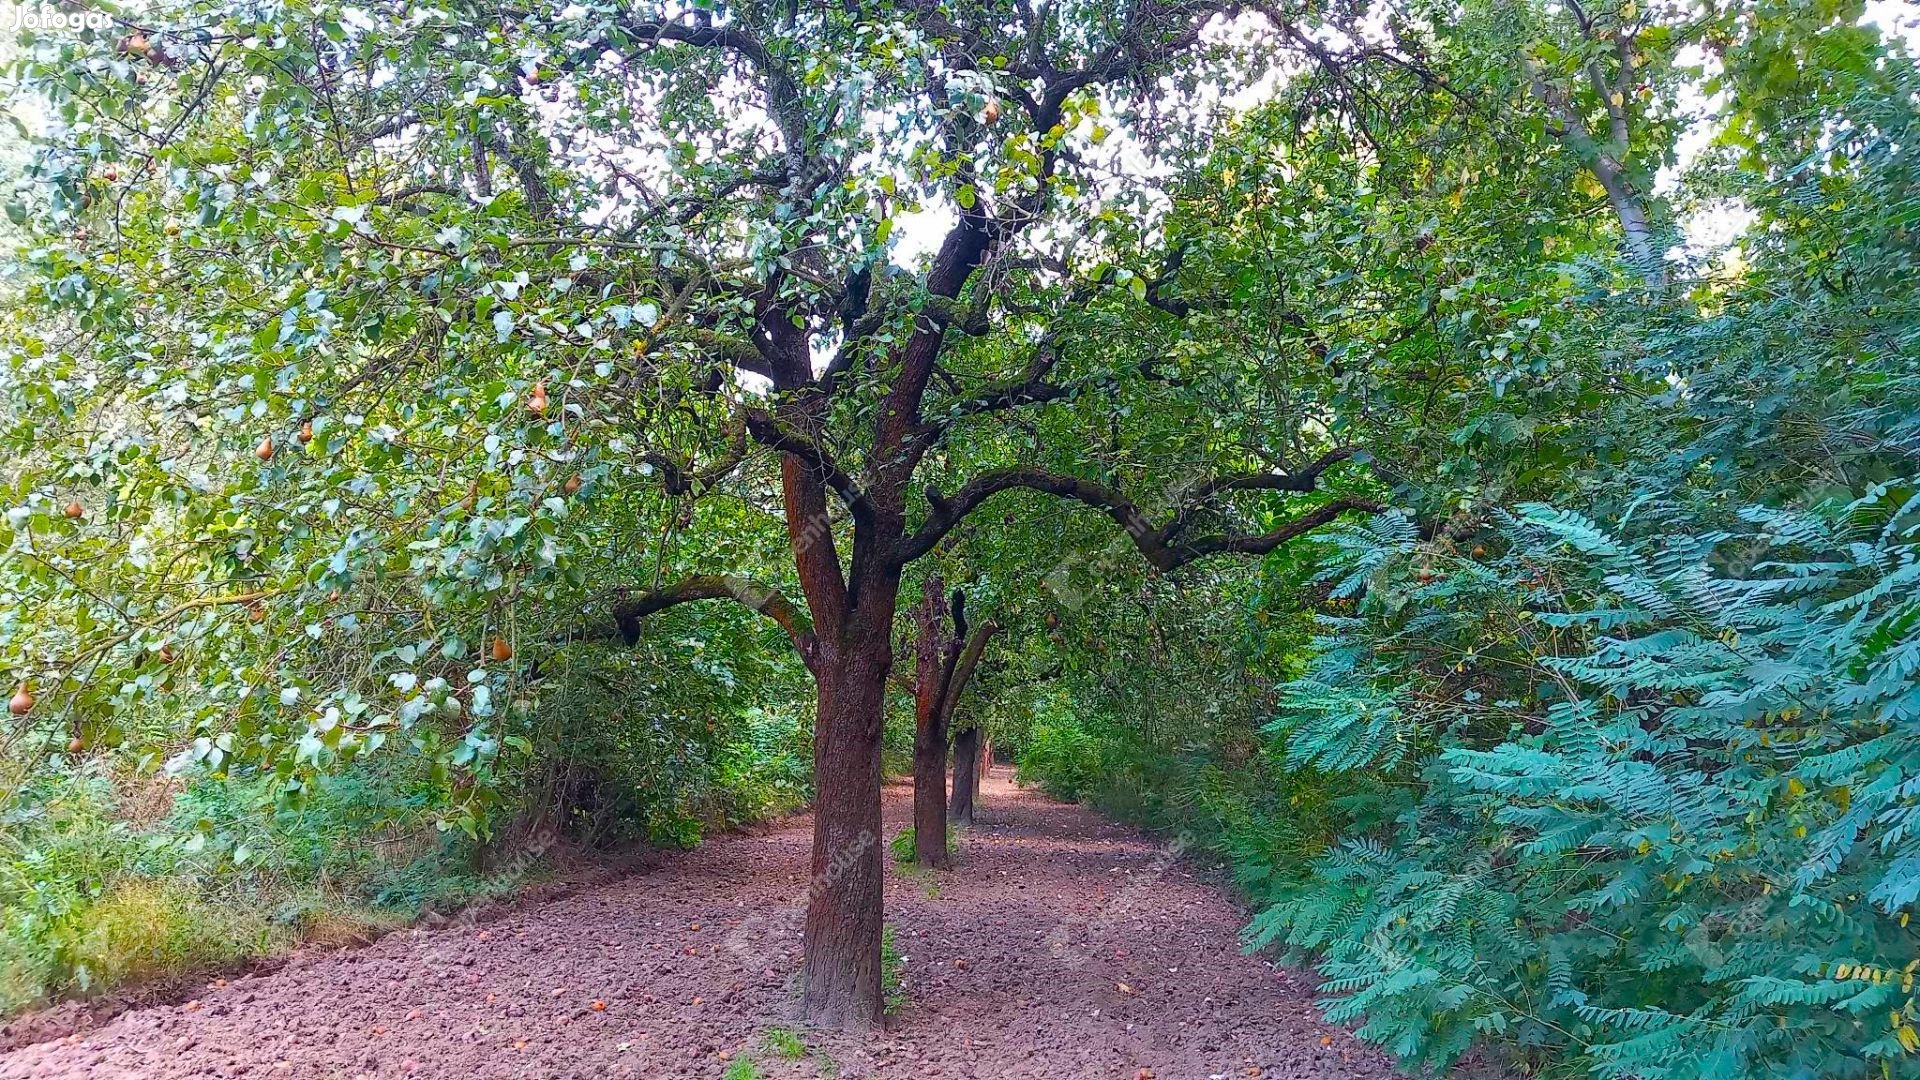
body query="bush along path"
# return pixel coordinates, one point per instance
(1060, 946)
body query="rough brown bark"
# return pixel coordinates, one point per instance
(840, 970)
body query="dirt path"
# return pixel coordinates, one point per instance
(1062, 947)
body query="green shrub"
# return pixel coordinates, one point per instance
(147, 930)
(896, 743)
(1060, 753)
(621, 755)
(64, 852)
(110, 877)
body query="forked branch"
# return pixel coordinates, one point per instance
(1164, 546)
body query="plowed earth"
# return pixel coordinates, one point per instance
(1061, 946)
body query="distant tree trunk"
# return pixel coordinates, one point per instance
(986, 764)
(966, 774)
(934, 661)
(966, 744)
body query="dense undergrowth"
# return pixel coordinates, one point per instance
(111, 879)
(114, 877)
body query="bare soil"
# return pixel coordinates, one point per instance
(1060, 946)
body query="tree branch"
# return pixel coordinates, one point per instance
(533, 186)
(963, 669)
(757, 597)
(685, 480)
(1607, 168)
(770, 433)
(738, 353)
(1301, 481)
(414, 190)
(783, 93)
(1161, 545)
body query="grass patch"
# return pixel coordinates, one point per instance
(893, 972)
(112, 879)
(785, 1043)
(111, 876)
(159, 930)
(149, 930)
(742, 1069)
(902, 844)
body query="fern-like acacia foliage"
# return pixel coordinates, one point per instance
(1684, 841)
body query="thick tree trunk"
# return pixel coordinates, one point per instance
(840, 973)
(966, 777)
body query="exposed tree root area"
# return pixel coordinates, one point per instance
(1061, 946)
